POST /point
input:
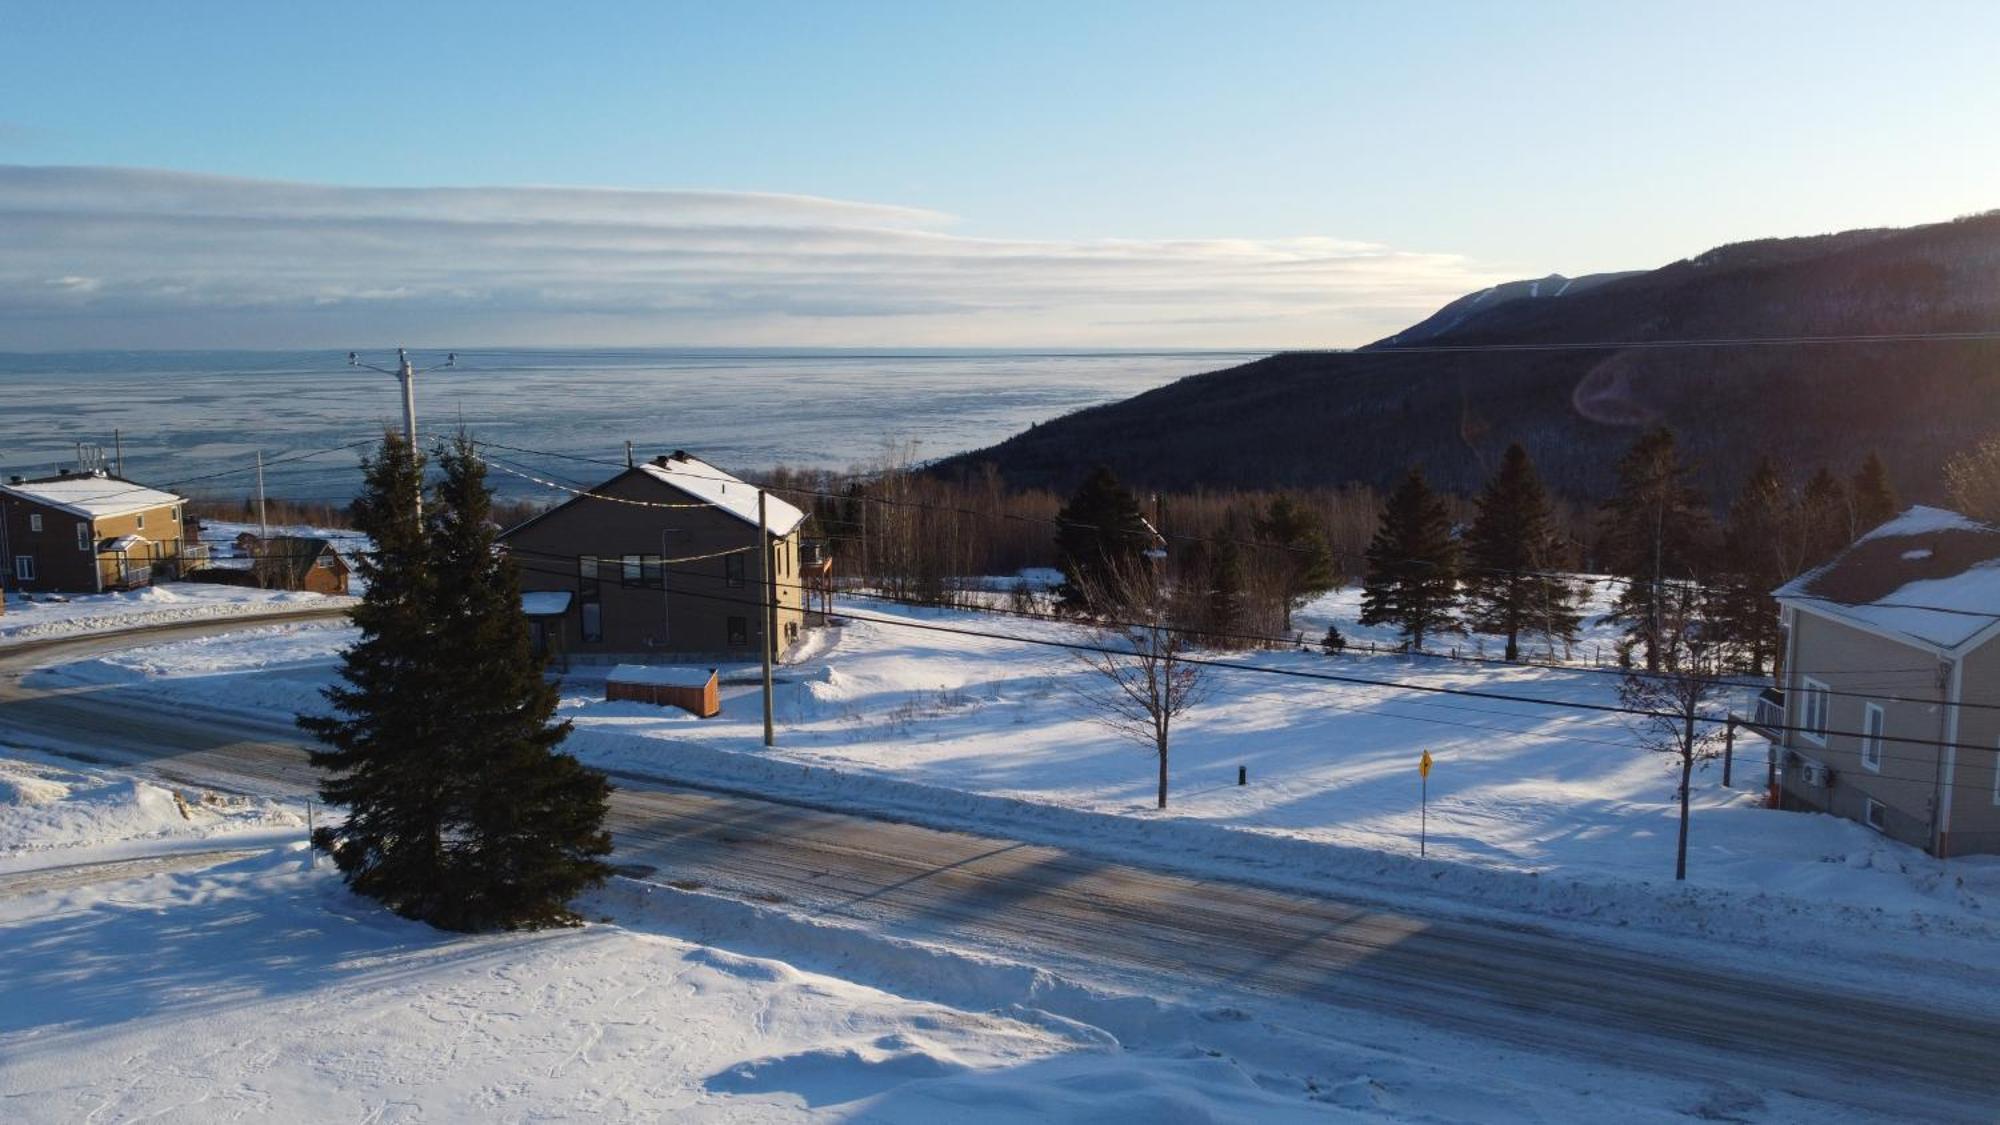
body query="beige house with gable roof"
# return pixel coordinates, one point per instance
(85, 533)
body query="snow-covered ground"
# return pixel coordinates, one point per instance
(56, 812)
(246, 984)
(1532, 807)
(31, 617)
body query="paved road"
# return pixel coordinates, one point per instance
(1519, 986)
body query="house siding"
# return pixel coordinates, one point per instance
(1859, 668)
(1975, 818)
(687, 619)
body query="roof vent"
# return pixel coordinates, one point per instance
(680, 455)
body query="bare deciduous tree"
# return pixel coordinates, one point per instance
(1675, 699)
(1142, 680)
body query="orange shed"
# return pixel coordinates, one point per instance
(691, 689)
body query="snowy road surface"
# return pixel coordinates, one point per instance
(1904, 1056)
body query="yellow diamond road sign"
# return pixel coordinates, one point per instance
(1424, 765)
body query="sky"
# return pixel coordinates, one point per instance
(1237, 175)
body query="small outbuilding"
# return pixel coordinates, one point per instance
(694, 690)
(299, 562)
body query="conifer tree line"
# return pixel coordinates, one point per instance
(441, 744)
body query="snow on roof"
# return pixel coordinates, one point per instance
(1927, 557)
(545, 603)
(123, 543)
(661, 675)
(705, 482)
(92, 496)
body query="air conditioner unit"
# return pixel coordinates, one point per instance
(1814, 774)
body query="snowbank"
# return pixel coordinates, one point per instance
(46, 808)
(47, 615)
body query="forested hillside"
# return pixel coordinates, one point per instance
(1328, 418)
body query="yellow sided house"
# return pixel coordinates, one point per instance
(85, 533)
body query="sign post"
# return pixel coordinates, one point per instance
(1424, 817)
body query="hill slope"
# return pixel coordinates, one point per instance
(1319, 418)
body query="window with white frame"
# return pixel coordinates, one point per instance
(1813, 700)
(34, 521)
(141, 521)
(24, 568)
(83, 537)
(1877, 815)
(1872, 721)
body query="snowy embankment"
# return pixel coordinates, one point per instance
(1533, 808)
(258, 986)
(49, 809)
(47, 615)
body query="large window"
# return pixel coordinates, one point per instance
(732, 570)
(24, 568)
(1813, 700)
(739, 632)
(593, 621)
(1872, 721)
(34, 521)
(83, 537)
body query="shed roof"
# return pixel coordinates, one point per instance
(291, 556)
(1930, 576)
(661, 675)
(92, 496)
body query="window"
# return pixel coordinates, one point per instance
(141, 521)
(83, 537)
(1996, 775)
(641, 570)
(739, 632)
(1877, 815)
(24, 568)
(593, 621)
(34, 521)
(1812, 710)
(1871, 736)
(586, 576)
(732, 570)
(174, 515)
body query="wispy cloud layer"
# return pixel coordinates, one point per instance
(105, 257)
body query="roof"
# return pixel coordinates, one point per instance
(545, 603)
(661, 675)
(1926, 557)
(705, 482)
(126, 543)
(91, 496)
(292, 556)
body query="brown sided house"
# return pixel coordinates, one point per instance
(662, 561)
(1890, 709)
(84, 533)
(299, 562)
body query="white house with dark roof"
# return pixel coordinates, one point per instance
(1891, 684)
(87, 533)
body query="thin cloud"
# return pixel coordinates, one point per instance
(113, 257)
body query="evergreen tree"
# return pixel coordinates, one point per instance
(1305, 566)
(1825, 520)
(532, 816)
(1654, 530)
(1412, 565)
(1100, 536)
(1874, 499)
(1756, 561)
(1227, 612)
(1509, 551)
(377, 745)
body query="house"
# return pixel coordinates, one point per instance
(663, 560)
(299, 562)
(87, 533)
(1890, 708)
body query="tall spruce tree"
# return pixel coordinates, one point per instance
(1225, 617)
(1304, 560)
(1412, 578)
(533, 816)
(1509, 551)
(1654, 532)
(1100, 535)
(1871, 494)
(1826, 521)
(1756, 560)
(378, 745)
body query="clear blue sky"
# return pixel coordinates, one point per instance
(1520, 138)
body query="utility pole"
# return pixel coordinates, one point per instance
(118, 454)
(406, 373)
(768, 604)
(263, 525)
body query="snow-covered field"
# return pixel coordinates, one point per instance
(1531, 807)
